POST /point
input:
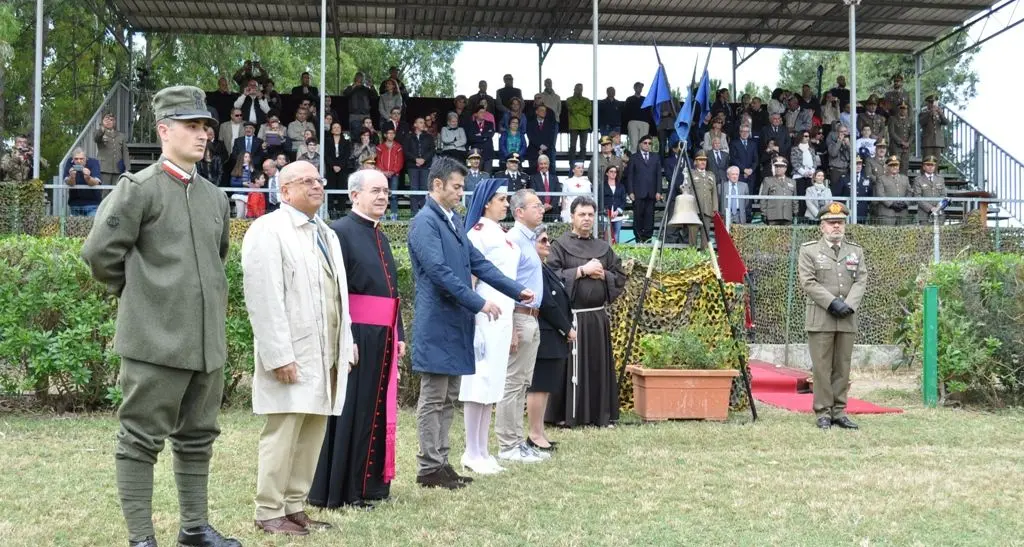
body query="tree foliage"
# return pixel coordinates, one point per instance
(954, 80)
(87, 49)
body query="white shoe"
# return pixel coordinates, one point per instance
(521, 454)
(494, 463)
(540, 454)
(480, 467)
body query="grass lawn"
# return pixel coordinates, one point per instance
(925, 477)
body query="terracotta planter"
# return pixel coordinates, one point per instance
(673, 394)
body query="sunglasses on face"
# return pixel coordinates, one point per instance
(544, 241)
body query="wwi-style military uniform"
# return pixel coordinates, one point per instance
(112, 151)
(778, 211)
(706, 191)
(928, 186)
(159, 242)
(893, 211)
(834, 278)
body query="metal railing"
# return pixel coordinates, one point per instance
(984, 163)
(117, 100)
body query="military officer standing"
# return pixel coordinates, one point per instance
(897, 95)
(872, 118)
(931, 122)
(778, 211)
(895, 187)
(159, 243)
(901, 135)
(705, 189)
(928, 184)
(833, 274)
(112, 149)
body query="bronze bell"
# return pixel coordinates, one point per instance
(684, 211)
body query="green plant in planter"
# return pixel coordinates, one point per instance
(695, 347)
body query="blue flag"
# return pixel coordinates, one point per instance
(699, 103)
(658, 94)
(704, 97)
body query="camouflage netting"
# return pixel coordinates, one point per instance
(22, 207)
(894, 254)
(676, 298)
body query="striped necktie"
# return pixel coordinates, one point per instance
(321, 244)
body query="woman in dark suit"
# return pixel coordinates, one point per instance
(556, 336)
(336, 150)
(614, 199)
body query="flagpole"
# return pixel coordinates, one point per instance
(658, 246)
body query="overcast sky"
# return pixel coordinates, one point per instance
(620, 66)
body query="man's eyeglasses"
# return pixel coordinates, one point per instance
(308, 182)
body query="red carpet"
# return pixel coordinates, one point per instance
(789, 389)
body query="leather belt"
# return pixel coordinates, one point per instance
(526, 310)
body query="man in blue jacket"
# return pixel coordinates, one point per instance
(443, 261)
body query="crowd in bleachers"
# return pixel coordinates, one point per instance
(382, 127)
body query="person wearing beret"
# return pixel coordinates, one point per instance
(834, 275)
(160, 243)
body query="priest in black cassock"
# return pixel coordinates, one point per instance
(357, 461)
(594, 278)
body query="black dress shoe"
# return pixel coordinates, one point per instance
(439, 479)
(531, 444)
(846, 423)
(824, 422)
(450, 472)
(148, 542)
(362, 505)
(205, 536)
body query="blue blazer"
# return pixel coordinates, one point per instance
(744, 157)
(443, 262)
(614, 200)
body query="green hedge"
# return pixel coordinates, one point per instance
(981, 327)
(57, 323)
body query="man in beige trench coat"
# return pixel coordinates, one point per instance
(297, 298)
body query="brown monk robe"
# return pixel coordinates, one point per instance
(594, 278)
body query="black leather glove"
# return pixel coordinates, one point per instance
(840, 309)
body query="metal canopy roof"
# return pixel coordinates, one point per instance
(882, 25)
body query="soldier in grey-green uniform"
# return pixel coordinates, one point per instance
(833, 274)
(929, 184)
(871, 117)
(932, 120)
(112, 149)
(159, 242)
(705, 189)
(778, 211)
(901, 135)
(895, 187)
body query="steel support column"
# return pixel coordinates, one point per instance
(37, 93)
(735, 90)
(917, 104)
(853, 108)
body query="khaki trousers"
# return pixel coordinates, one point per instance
(288, 452)
(434, 414)
(508, 422)
(831, 353)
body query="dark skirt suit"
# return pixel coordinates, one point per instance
(555, 321)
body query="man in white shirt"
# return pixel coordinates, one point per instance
(253, 104)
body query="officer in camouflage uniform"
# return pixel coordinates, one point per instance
(16, 164)
(929, 184)
(705, 190)
(901, 135)
(778, 211)
(159, 242)
(896, 187)
(833, 274)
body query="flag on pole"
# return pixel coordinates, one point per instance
(704, 97)
(658, 94)
(685, 117)
(734, 270)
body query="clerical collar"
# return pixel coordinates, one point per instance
(177, 172)
(360, 214)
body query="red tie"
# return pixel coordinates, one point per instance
(547, 199)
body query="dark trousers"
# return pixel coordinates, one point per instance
(643, 219)
(576, 135)
(336, 181)
(418, 182)
(802, 184)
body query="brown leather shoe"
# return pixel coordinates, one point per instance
(281, 525)
(303, 520)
